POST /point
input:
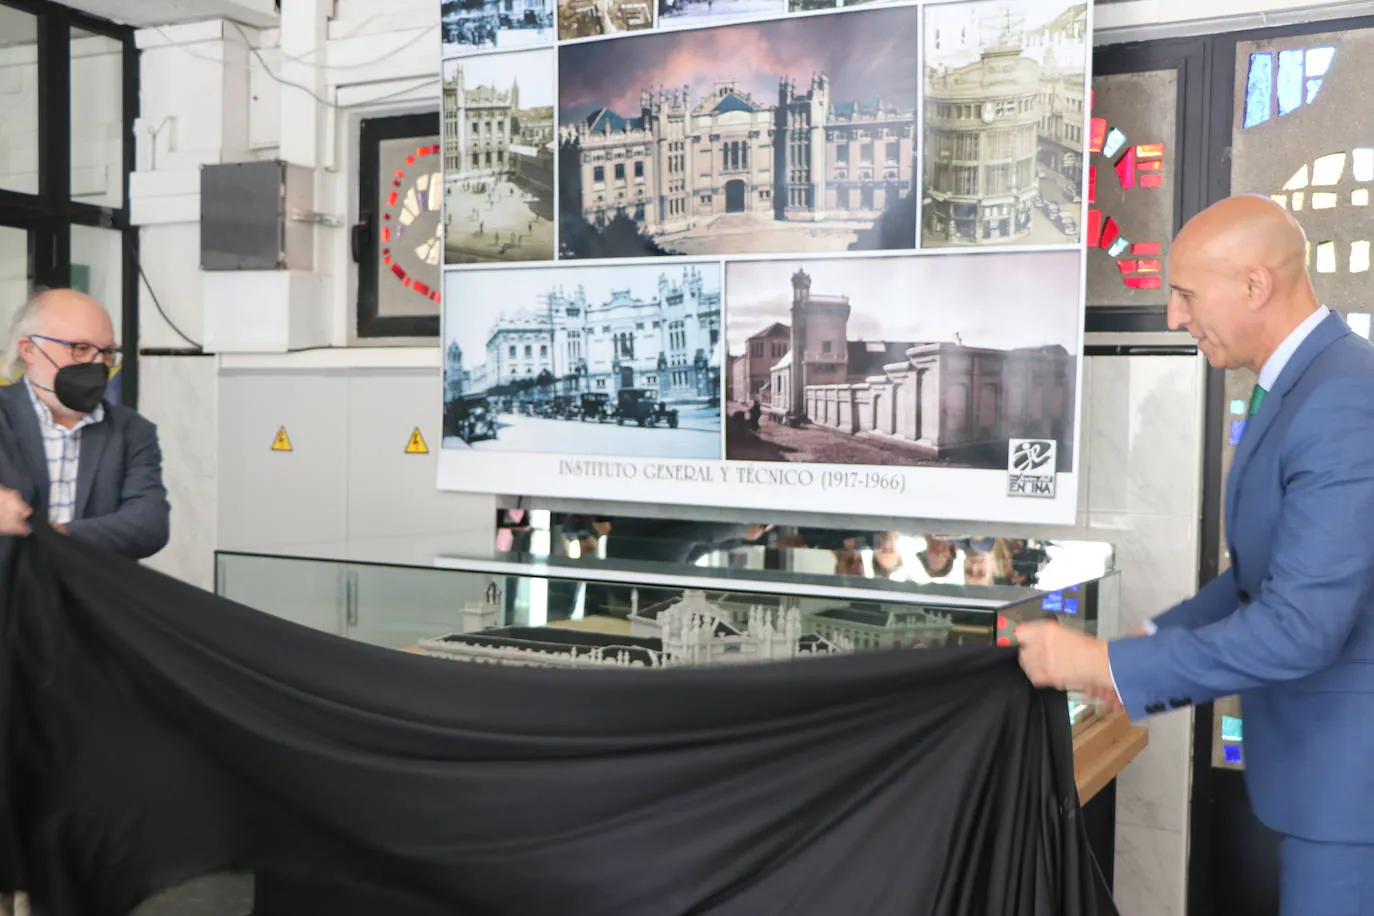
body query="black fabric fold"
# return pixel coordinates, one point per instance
(155, 732)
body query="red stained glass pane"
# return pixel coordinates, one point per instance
(422, 288)
(1126, 265)
(386, 233)
(1092, 184)
(1094, 226)
(1097, 135)
(1125, 168)
(1153, 165)
(410, 160)
(391, 201)
(1110, 231)
(1145, 248)
(1150, 150)
(1151, 266)
(1152, 180)
(1141, 282)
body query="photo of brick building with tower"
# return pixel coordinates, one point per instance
(901, 361)
(803, 142)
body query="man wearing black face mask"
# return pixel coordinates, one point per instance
(92, 468)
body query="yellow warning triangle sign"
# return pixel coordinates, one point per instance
(283, 442)
(416, 444)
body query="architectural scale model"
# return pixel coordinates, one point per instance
(689, 631)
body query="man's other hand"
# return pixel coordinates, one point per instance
(1063, 658)
(14, 514)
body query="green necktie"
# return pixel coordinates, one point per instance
(1256, 399)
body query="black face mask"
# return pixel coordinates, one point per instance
(81, 388)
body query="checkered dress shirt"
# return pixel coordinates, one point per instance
(62, 448)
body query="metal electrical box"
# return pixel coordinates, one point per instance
(251, 216)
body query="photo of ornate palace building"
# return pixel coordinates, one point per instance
(803, 158)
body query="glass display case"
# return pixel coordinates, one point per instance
(544, 607)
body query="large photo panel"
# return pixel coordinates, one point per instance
(918, 386)
(787, 135)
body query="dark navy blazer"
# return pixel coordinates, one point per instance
(1290, 626)
(121, 503)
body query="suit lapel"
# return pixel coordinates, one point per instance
(1331, 329)
(24, 421)
(93, 439)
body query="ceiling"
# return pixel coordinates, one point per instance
(143, 13)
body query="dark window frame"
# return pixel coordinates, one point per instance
(371, 133)
(49, 215)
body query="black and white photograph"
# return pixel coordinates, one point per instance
(470, 26)
(789, 135)
(499, 152)
(593, 18)
(676, 13)
(915, 361)
(1005, 89)
(618, 361)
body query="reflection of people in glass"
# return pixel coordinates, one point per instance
(938, 556)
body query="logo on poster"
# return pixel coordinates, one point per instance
(1031, 468)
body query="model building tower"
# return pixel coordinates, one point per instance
(484, 616)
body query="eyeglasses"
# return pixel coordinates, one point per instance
(86, 352)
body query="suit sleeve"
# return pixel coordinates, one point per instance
(1320, 579)
(1213, 601)
(141, 526)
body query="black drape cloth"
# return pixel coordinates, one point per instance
(155, 732)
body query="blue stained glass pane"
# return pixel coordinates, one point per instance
(1319, 60)
(1313, 87)
(1115, 140)
(1290, 81)
(1259, 89)
(1054, 601)
(1237, 431)
(1119, 246)
(1238, 407)
(1070, 605)
(1230, 728)
(1231, 753)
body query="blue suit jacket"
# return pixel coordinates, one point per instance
(121, 503)
(1290, 626)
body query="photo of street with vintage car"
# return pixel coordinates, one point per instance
(621, 361)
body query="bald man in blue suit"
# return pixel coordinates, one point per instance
(1290, 626)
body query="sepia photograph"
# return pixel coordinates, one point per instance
(499, 152)
(794, 135)
(592, 18)
(676, 13)
(916, 361)
(1005, 87)
(470, 26)
(618, 361)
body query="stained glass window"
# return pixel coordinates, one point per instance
(1131, 187)
(1296, 82)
